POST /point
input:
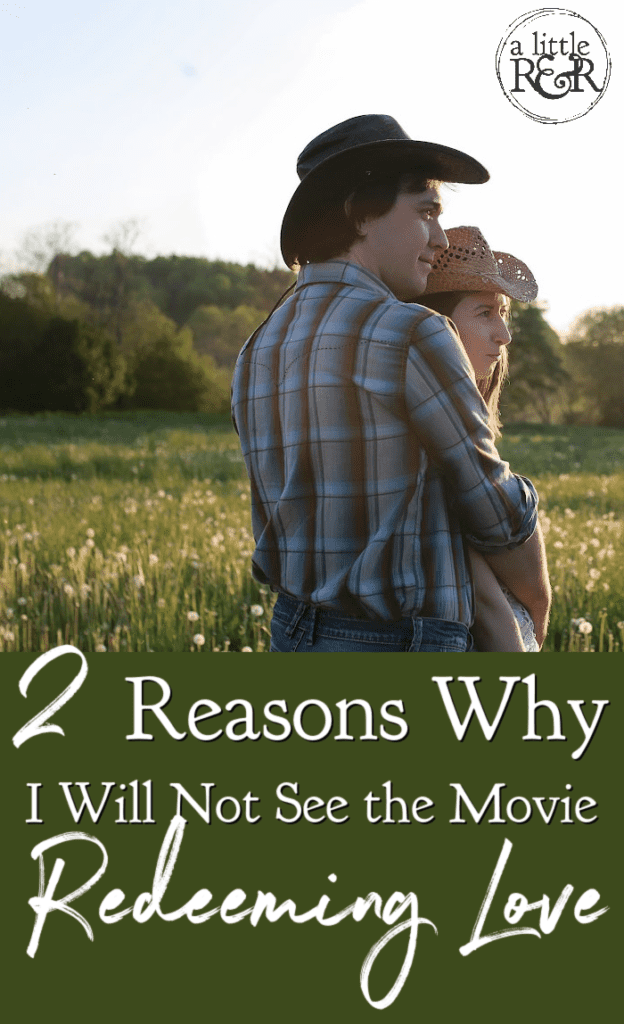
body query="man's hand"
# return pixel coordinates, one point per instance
(524, 571)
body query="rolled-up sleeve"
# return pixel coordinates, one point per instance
(497, 509)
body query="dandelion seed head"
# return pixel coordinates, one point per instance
(246, 650)
(153, 559)
(100, 648)
(68, 589)
(256, 610)
(192, 616)
(22, 600)
(90, 532)
(585, 627)
(199, 639)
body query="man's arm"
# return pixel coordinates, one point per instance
(497, 509)
(524, 571)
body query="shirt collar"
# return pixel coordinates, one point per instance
(348, 273)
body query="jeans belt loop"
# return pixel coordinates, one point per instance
(312, 629)
(417, 632)
(301, 608)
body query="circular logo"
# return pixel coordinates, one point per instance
(553, 65)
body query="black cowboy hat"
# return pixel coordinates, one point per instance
(372, 142)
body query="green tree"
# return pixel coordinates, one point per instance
(595, 357)
(81, 369)
(21, 331)
(178, 285)
(49, 362)
(165, 372)
(536, 366)
(221, 333)
(38, 291)
(168, 376)
(45, 249)
(35, 289)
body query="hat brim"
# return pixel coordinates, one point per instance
(516, 281)
(320, 184)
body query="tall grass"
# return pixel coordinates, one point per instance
(132, 533)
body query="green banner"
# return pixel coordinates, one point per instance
(421, 837)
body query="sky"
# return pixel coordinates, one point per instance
(189, 118)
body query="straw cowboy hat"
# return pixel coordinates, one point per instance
(339, 156)
(469, 265)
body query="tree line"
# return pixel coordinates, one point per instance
(579, 382)
(121, 331)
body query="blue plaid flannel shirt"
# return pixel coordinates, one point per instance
(369, 453)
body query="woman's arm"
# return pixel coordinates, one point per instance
(524, 571)
(495, 627)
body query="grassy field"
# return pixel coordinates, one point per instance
(132, 533)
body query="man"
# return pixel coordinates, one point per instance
(364, 436)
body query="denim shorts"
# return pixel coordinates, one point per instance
(298, 628)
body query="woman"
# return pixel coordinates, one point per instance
(473, 286)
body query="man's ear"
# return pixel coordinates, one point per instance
(348, 207)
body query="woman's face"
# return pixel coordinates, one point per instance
(481, 319)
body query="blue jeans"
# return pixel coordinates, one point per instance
(298, 628)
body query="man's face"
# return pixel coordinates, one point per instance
(401, 246)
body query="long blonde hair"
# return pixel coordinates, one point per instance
(489, 387)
